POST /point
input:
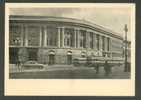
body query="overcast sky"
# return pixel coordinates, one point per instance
(113, 19)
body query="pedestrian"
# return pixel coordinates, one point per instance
(97, 69)
(107, 68)
(17, 63)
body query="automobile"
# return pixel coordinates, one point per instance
(32, 65)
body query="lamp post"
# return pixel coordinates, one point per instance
(126, 30)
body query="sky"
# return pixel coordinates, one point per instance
(110, 18)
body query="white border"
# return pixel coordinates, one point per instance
(69, 87)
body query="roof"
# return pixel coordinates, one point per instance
(63, 19)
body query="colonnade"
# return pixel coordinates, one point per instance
(76, 39)
(92, 40)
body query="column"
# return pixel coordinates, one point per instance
(106, 44)
(62, 37)
(45, 36)
(22, 35)
(75, 40)
(63, 32)
(40, 43)
(87, 39)
(26, 35)
(110, 41)
(100, 42)
(78, 38)
(110, 44)
(103, 43)
(94, 41)
(97, 42)
(58, 39)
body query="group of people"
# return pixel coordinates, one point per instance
(107, 68)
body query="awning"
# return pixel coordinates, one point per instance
(83, 53)
(52, 53)
(69, 53)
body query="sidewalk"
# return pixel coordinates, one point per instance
(14, 69)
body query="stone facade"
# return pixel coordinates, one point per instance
(59, 41)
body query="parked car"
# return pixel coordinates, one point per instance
(32, 65)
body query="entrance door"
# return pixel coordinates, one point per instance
(51, 59)
(69, 59)
(13, 55)
(32, 54)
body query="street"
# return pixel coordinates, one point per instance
(68, 72)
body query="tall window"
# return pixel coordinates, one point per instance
(33, 37)
(52, 36)
(15, 35)
(97, 41)
(103, 43)
(83, 39)
(68, 37)
(108, 44)
(91, 40)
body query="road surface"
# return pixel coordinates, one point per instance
(68, 72)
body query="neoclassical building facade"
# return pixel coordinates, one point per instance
(58, 40)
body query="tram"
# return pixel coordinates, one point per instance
(98, 61)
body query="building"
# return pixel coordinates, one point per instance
(57, 40)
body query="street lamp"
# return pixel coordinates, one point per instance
(126, 66)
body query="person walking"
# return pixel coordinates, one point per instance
(107, 68)
(97, 69)
(17, 63)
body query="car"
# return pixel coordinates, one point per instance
(32, 65)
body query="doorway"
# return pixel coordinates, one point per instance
(13, 55)
(69, 59)
(51, 59)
